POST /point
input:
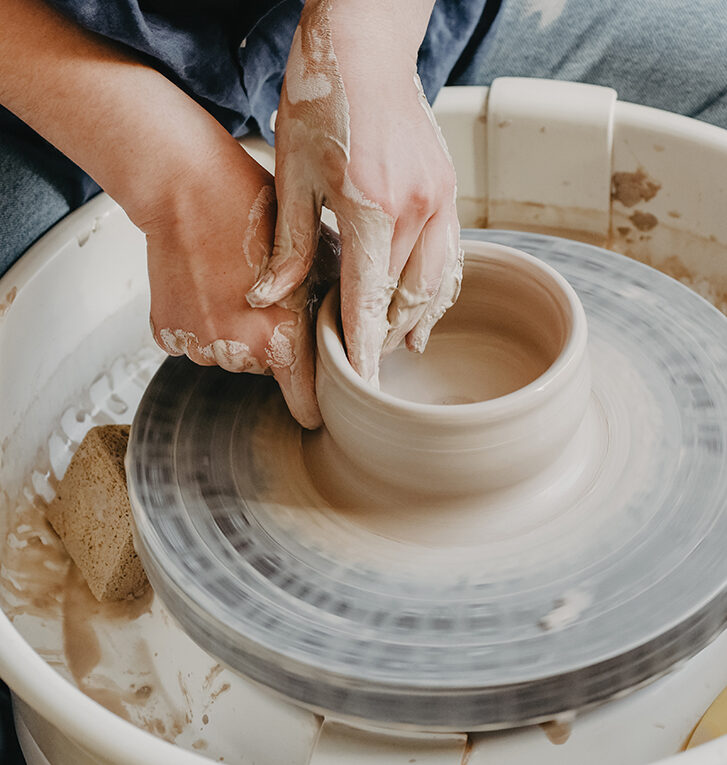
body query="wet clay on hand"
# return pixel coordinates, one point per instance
(340, 144)
(201, 266)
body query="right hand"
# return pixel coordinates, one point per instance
(355, 132)
(207, 244)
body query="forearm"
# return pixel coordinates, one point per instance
(386, 28)
(123, 122)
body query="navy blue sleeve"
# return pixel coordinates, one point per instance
(265, 51)
(231, 55)
(195, 45)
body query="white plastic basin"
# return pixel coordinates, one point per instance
(74, 341)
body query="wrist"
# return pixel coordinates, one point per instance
(151, 185)
(201, 191)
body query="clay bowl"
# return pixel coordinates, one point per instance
(500, 390)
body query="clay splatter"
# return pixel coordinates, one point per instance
(9, 298)
(632, 188)
(224, 687)
(644, 221)
(557, 732)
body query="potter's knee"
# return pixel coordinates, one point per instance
(28, 209)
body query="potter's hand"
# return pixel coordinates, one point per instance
(207, 208)
(204, 253)
(355, 132)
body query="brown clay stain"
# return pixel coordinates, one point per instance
(200, 743)
(624, 230)
(222, 689)
(644, 221)
(557, 732)
(187, 698)
(9, 298)
(504, 123)
(658, 147)
(82, 648)
(38, 579)
(34, 566)
(674, 214)
(632, 188)
(211, 675)
(467, 753)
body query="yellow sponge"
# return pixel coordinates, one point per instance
(92, 515)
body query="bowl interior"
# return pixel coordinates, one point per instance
(511, 323)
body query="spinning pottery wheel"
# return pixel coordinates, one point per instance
(97, 358)
(594, 575)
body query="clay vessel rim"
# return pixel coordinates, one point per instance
(333, 356)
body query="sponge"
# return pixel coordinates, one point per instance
(92, 515)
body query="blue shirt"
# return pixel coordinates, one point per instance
(230, 55)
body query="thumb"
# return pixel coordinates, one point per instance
(296, 240)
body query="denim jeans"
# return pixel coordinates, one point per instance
(669, 54)
(38, 186)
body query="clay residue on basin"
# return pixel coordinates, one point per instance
(644, 221)
(99, 646)
(689, 258)
(632, 188)
(557, 732)
(9, 299)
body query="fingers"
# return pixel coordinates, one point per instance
(326, 267)
(419, 280)
(179, 342)
(448, 291)
(291, 358)
(233, 356)
(296, 242)
(366, 288)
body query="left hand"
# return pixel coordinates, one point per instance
(207, 240)
(355, 132)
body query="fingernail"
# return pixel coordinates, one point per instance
(369, 371)
(417, 341)
(257, 294)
